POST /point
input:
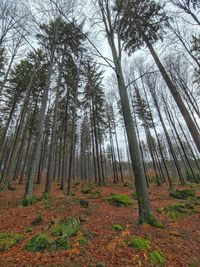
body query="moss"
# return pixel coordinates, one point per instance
(120, 200)
(179, 210)
(42, 242)
(38, 243)
(118, 227)
(27, 201)
(139, 243)
(83, 240)
(157, 257)
(86, 190)
(183, 194)
(8, 240)
(60, 243)
(29, 229)
(150, 219)
(69, 227)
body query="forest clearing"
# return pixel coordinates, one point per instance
(99, 133)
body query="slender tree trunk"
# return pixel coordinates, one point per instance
(39, 132)
(176, 95)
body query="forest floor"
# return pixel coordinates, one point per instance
(179, 240)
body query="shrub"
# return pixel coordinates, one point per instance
(139, 243)
(27, 201)
(120, 200)
(118, 227)
(157, 257)
(8, 240)
(183, 194)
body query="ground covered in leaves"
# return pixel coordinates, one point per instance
(108, 236)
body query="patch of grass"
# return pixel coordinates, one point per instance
(157, 258)
(69, 227)
(27, 201)
(139, 243)
(118, 227)
(183, 194)
(7, 240)
(120, 200)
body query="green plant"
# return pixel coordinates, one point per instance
(157, 257)
(8, 240)
(120, 200)
(139, 243)
(27, 201)
(118, 227)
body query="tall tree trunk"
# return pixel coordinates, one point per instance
(175, 93)
(39, 132)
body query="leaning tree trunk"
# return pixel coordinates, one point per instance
(175, 93)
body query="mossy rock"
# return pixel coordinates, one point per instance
(42, 242)
(28, 201)
(120, 200)
(179, 210)
(157, 258)
(69, 227)
(139, 243)
(61, 243)
(7, 240)
(38, 243)
(118, 227)
(183, 194)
